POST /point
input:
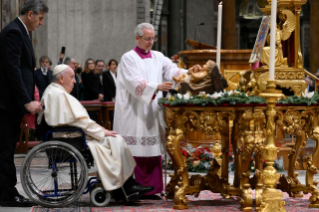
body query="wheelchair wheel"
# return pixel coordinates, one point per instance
(54, 174)
(99, 197)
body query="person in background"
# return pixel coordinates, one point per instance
(100, 66)
(79, 71)
(72, 63)
(91, 81)
(310, 84)
(109, 81)
(109, 85)
(43, 75)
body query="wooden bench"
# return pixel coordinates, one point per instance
(94, 106)
(107, 107)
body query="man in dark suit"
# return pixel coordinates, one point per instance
(71, 62)
(109, 85)
(43, 78)
(43, 75)
(17, 63)
(109, 81)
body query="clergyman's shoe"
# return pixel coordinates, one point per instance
(16, 201)
(139, 188)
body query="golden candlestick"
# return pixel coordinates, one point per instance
(271, 197)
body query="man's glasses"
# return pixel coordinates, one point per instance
(149, 39)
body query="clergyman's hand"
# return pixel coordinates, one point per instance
(197, 68)
(34, 107)
(165, 86)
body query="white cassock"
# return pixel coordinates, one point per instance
(112, 157)
(138, 118)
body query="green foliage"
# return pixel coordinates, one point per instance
(203, 99)
(296, 100)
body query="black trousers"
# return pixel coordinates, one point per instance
(9, 135)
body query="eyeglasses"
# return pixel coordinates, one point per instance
(90, 63)
(149, 39)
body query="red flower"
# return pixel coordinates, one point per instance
(184, 152)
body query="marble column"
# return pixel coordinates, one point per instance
(174, 29)
(314, 32)
(229, 35)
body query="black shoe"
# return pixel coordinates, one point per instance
(135, 191)
(151, 197)
(140, 189)
(16, 201)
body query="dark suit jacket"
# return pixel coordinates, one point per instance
(108, 86)
(40, 82)
(17, 65)
(92, 85)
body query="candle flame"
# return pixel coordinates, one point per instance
(221, 3)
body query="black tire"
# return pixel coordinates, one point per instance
(39, 177)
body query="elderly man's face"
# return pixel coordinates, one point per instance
(44, 64)
(72, 64)
(100, 66)
(147, 40)
(67, 80)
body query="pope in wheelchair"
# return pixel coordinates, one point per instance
(55, 172)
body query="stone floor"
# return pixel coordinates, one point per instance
(19, 159)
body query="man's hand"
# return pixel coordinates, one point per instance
(165, 86)
(110, 133)
(61, 56)
(100, 98)
(34, 107)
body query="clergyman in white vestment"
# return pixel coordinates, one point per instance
(112, 157)
(138, 116)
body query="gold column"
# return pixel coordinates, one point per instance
(229, 37)
(314, 32)
(271, 197)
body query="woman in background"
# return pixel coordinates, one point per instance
(93, 89)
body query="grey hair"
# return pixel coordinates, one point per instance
(55, 78)
(67, 60)
(35, 6)
(139, 28)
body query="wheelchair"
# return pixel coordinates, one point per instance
(55, 172)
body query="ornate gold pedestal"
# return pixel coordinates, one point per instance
(250, 129)
(254, 82)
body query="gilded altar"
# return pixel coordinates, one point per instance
(249, 128)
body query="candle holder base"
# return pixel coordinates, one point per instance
(271, 201)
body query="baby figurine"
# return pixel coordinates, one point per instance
(196, 74)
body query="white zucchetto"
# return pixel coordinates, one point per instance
(59, 68)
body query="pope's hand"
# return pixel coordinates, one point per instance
(110, 133)
(34, 107)
(165, 86)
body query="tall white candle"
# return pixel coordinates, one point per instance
(272, 39)
(219, 33)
